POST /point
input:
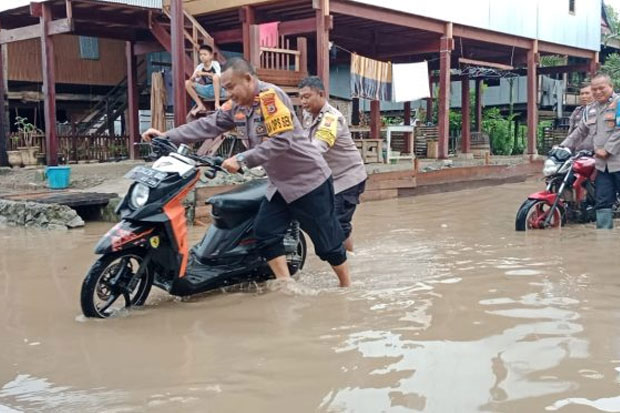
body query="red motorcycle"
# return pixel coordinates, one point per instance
(569, 197)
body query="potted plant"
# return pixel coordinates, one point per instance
(15, 157)
(28, 132)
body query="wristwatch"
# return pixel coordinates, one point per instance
(240, 158)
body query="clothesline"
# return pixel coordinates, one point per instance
(472, 72)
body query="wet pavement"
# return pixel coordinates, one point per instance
(451, 310)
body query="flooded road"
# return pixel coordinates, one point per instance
(451, 310)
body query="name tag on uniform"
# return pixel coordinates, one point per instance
(277, 116)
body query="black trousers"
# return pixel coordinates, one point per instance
(316, 216)
(346, 203)
(607, 186)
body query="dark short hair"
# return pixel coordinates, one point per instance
(584, 85)
(313, 82)
(239, 66)
(207, 48)
(603, 75)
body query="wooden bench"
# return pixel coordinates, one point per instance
(370, 150)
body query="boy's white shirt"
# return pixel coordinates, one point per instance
(215, 65)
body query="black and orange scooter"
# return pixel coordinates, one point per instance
(149, 245)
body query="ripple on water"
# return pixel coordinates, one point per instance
(522, 273)
(606, 404)
(34, 393)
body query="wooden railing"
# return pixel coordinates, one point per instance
(281, 57)
(283, 65)
(74, 148)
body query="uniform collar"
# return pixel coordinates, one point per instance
(318, 117)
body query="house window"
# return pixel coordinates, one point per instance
(89, 48)
(571, 6)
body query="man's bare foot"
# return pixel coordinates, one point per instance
(197, 109)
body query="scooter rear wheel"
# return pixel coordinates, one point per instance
(112, 280)
(297, 259)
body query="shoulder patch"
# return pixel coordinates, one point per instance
(278, 117)
(327, 131)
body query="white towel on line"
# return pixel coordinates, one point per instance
(410, 82)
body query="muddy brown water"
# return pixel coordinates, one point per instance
(451, 310)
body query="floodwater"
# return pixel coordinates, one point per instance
(451, 310)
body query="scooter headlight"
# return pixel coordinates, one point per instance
(550, 167)
(139, 195)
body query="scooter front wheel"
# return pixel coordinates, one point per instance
(113, 280)
(533, 213)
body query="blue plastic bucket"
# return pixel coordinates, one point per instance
(58, 177)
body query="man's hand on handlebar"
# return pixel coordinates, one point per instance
(151, 133)
(231, 165)
(601, 153)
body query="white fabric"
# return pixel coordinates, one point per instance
(410, 82)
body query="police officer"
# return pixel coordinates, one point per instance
(585, 98)
(602, 120)
(300, 183)
(329, 132)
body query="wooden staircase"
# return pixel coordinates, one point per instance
(101, 117)
(194, 35)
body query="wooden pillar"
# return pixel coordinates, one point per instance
(4, 125)
(478, 113)
(302, 47)
(355, 111)
(594, 64)
(465, 117)
(133, 120)
(375, 119)
(445, 49)
(322, 42)
(532, 98)
(407, 121)
(109, 118)
(247, 18)
(178, 61)
(49, 85)
(254, 44)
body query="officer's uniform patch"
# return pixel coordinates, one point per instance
(277, 116)
(327, 131)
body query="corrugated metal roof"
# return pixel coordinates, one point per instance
(151, 4)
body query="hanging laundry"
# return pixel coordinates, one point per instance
(268, 33)
(370, 79)
(410, 82)
(552, 93)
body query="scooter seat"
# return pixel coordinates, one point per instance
(246, 197)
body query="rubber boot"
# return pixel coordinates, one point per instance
(604, 218)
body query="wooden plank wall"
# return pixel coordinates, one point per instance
(24, 62)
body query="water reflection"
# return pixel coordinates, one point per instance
(450, 310)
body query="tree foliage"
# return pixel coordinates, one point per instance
(612, 68)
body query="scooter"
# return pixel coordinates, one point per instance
(149, 245)
(569, 196)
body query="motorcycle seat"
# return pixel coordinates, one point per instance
(246, 197)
